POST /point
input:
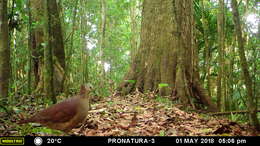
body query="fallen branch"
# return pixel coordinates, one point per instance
(230, 112)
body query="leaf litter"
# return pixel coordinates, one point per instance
(139, 114)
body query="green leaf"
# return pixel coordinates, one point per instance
(43, 44)
(138, 108)
(162, 133)
(46, 130)
(130, 81)
(16, 110)
(206, 130)
(161, 85)
(110, 102)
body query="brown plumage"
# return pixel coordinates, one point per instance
(65, 115)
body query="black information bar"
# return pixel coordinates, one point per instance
(83, 141)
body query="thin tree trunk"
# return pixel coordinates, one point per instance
(84, 51)
(29, 72)
(256, 83)
(48, 55)
(4, 52)
(134, 26)
(102, 42)
(58, 47)
(70, 51)
(207, 51)
(252, 105)
(37, 39)
(230, 73)
(221, 42)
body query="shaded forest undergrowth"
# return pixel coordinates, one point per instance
(132, 115)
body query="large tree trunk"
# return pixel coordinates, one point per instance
(155, 60)
(4, 52)
(252, 104)
(167, 29)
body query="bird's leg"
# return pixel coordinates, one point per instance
(83, 125)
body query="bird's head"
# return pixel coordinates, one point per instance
(85, 90)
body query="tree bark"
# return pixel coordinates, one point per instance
(85, 50)
(252, 105)
(58, 46)
(37, 9)
(102, 44)
(48, 57)
(134, 26)
(221, 42)
(102, 41)
(70, 51)
(207, 50)
(155, 60)
(167, 29)
(29, 72)
(37, 40)
(4, 52)
(187, 83)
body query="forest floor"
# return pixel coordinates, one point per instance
(137, 115)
